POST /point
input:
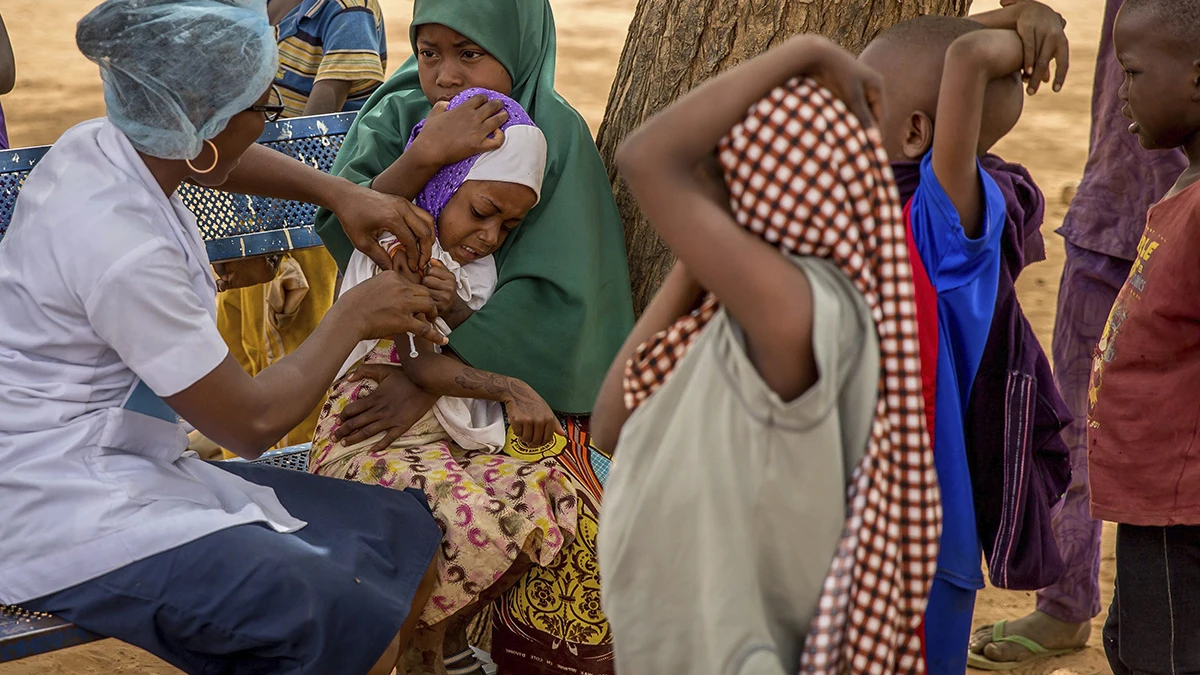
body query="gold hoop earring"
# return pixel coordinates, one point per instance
(216, 158)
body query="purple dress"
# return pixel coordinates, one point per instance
(3, 131)
(1020, 465)
(1120, 183)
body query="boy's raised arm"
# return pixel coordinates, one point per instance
(1022, 36)
(1041, 31)
(762, 289)
(972, 61)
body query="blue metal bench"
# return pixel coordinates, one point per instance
(233, 226)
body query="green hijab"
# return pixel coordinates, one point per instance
(562, 306)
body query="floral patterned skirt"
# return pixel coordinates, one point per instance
(491, 507)
(550, 622)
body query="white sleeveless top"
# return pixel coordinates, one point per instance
(726, 503)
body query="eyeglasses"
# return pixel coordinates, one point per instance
(273, 109)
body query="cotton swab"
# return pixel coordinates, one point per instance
(412, 346)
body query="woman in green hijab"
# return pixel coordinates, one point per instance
(562, 306)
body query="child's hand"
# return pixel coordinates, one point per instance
(530, 417)
(444, 288)
(392, 408)
(471, 128)
(366, 215)
(859, 86)
(1043, 37)
(399, 255)
(245, 273)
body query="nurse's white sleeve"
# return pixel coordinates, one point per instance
(146, 307)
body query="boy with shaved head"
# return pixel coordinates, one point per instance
(1101, 232)
(953, 88)
(1143, 421)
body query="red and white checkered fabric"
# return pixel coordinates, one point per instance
(806, 176)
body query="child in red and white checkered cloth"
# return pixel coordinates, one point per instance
(773, 506)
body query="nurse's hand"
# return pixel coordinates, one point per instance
(388, 304)
(366, 215)
(391, 409)
(249, 414)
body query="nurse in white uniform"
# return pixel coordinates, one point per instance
(108, 337)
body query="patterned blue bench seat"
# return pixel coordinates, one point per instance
(233, 226)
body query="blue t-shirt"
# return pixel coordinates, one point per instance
(965, 273)
(330, 40)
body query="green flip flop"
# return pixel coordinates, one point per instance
(981, 662)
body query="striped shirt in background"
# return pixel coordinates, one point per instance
(330, 40)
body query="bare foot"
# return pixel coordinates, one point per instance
(1040, 627)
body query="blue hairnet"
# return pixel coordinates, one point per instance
(176, 71)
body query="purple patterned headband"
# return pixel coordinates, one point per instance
(438, 191)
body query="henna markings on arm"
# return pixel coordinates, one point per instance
(492, 385)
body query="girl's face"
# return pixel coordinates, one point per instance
(448, 62)
(237, 137)
(479, 217)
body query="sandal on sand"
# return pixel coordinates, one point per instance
(981, 662)
(464, 663)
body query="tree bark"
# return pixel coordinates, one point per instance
(673, 45)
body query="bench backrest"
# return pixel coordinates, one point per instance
(233, 226)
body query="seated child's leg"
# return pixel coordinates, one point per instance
(390, 660)
(948, 627)
(1155, 613)
(448, 640)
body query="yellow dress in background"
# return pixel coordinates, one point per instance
(263, 323)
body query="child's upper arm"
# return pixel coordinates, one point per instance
(972, 61)
(758, 285)
(951, 256)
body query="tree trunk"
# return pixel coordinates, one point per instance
(673, 45)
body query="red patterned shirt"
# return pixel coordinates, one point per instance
(1143, 413)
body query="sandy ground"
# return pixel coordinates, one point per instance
(58, 88)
